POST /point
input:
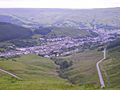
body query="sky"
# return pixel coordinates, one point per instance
(73, 4)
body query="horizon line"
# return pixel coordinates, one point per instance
(54, 8)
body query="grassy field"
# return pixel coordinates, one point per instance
(69, 31)
(83, 71)
(37, 73)
(111, 68)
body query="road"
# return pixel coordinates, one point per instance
(13, 75)
(100, 74)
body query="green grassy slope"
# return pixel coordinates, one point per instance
(69, 31)
(83, 71)
(37, 73)
(10, 31)
(111, 67)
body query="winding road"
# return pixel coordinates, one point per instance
(99, 71)
(100, 74)
(13, 75)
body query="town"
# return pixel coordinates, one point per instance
(61, 46)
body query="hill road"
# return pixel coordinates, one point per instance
(13, 75)
(100, 74)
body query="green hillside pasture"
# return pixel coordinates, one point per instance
(37, 73)
(111, 68)
(68, 31)
(83, 71)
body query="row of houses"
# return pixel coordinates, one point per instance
(59, 46)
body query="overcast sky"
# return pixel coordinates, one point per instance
(80, 4)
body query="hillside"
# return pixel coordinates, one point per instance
(10, 19)
(70, 31)
(81, 68)
(83, 18)
(61, 22)
(10, 31)
(37, 73)
(111, 67)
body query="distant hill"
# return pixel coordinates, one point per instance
(10, 19)
(86, 18)
(63, 22)
(10, 31)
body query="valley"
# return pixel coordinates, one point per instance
(61, 46)
(58, 49)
